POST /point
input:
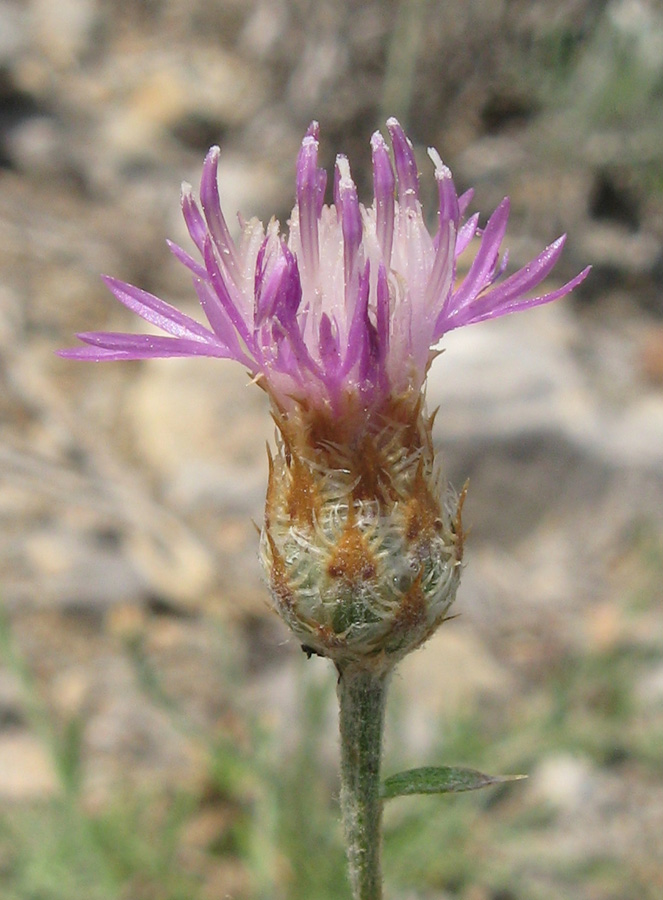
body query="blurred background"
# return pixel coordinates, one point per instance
(161, 736)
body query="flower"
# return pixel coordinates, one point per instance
(362, 543)
(341, 316)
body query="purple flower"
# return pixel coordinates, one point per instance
(341, 315)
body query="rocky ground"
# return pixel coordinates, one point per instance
(128, 565)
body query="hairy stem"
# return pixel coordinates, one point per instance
(361, 696)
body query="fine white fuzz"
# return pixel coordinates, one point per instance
(362, 547)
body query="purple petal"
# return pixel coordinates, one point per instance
(522, 281)
(278, 289)
(313, 131)
(264, 299)
(516, 304)
(464, 201)
(144, 346)
(384, 183)
(406, 165)
(193, 218)
(328, 346)
(289, 286)
(466, 234)
(301, 356)
(283, 284)
(448, 210)
(372, 372)
(483, 265)
(94, 354)
(156, 311)
(308, 182)
(530, 275)
(351, 224)
(220, 321)
(501, 268)
(440, 280)
(218, 281)
(357, 348)
(382, 312)
(187, 260)
(211, 203)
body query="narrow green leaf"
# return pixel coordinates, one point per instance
(440, 780)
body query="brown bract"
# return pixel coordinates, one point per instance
(361, 548)
(352, 557)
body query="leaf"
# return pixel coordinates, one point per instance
(440, 780)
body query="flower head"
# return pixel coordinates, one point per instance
(362, 544)
(339, 318)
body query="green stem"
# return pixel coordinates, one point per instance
(361, 697)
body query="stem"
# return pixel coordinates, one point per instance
(361, 697)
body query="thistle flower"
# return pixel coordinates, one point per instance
(339, 322)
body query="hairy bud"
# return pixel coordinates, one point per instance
(361, 544)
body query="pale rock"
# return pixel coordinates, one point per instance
(13, 31)
(490, 156)
(61, 31)
(251, 188)
(510, 376)
(518, 376)
(615, 246)
(50, 552)
(563, 781)
(635, 437)
(174, 563)
(264, 26)
(69, 692)
(278, 694)
(441, 681)
(36, 146)
(221, 84)
(11, 698)
(126, 735)
(134, 125)
(26, 771)
(153, 94)
(202, 428)
(649, 689)
(75, 572)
